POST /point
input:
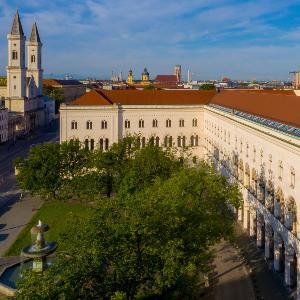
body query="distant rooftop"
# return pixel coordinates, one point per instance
(58, 82)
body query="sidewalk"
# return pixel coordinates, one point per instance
(14, 218)
(231, 279)
(267, 284)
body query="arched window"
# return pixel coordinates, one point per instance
(86, 144)
(192, 141)
(141, 123)
(157, 141)
(166, 141)
(127, 124)
(151, 141)
(106, 144)
(138, 142)
(154, 123)
(89, 125)
(101, 145)
(168, 123)
(14, 55)
(92, 144)
(74, 125)
(195, 122)
(170, 141)
(33, 58)
(103, 124)
(292, 178)
(181, 123)
(280, 170)
(179, 141)
(143, 142)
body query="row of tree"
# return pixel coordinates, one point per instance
(146, 239)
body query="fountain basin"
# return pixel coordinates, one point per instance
(11, 274)
(32, 251)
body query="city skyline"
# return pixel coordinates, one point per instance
(241, 40)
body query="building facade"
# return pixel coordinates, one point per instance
(3, 125)
(70, 89)
(253, 138)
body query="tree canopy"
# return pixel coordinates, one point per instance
(149, 234)
(207, 86)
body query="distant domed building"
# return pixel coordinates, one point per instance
(130, 77)
(145, 77)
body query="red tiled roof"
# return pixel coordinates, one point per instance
(145, 97)
(277, 105)
(281, 106)
(92, 98)
(166, 78)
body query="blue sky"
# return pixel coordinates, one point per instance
(213, 38)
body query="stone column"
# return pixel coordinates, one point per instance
(246, 215)
(298, 278)
(277, 209)
(240, 215)
(252, 232)
(289, 220)
(278, 253)
(260, 236)
(269, 242)
(270, 202)
(289, 272)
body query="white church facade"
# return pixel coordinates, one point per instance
(24, 94)
(253, 138)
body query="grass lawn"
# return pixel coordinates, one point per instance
(54, 214)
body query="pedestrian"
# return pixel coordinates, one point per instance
(21, 197)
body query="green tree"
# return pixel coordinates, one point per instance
(207, 86)
(142, 245)
(55, 93)
(40, 172)
(3, 81)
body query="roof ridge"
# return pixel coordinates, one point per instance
(99, 92)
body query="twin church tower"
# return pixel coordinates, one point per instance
(24, 94)
(24, 82)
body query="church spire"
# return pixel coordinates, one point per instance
(16, 28)
(35, 37)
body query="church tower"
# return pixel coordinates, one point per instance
(16, 70)
(145, 76)
(130, 77)
(34, 59)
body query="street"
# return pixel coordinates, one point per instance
(15, 214)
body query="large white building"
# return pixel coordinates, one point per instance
(252, 137)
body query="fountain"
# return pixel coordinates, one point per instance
(33, 257)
